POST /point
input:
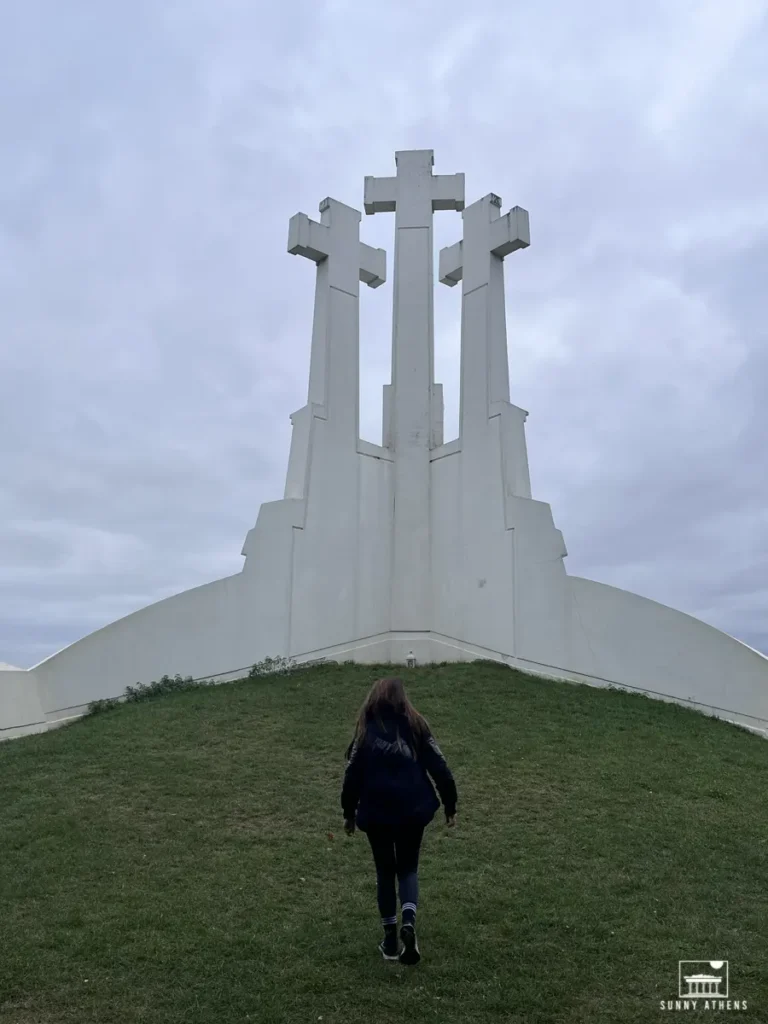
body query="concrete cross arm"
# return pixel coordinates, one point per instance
(316, 242)
(380, 195)
(451, 266)
(511, 232)
(308, 238)
(373, 265)
(448, 192)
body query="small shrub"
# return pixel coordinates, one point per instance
(97, 707)
(149, 691)
(176, 684)
(273, 667)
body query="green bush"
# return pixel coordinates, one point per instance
(273, 667)
(176, 684)
(149, 691)
(98, 706)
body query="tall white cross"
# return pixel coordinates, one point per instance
(477, 261)
(413, 195)
(343, 261)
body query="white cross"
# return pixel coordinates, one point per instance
(494, 235)
(477, 261)
(337, 239)
(343, 261)
(415, 192)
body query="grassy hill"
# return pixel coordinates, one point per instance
(183, 860)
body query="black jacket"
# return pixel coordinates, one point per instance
(387, 777)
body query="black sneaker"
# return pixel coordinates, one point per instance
(410, 954)
(388, 947)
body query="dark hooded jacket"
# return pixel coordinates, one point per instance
(387, 780)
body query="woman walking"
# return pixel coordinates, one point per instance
(388, 793)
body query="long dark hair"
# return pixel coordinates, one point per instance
(388, 695)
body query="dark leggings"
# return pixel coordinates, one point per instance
(396, 853)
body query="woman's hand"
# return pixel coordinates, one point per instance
(349, 826)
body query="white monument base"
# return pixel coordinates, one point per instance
(603, 636)
(625, 640)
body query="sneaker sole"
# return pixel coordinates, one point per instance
(410, 954)
(388, 956)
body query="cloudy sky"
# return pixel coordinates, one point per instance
(154, 333)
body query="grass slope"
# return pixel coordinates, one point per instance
(182, 860)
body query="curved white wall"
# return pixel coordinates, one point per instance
(21, 710)
(204, 631)
(615, 637)
(630, 640)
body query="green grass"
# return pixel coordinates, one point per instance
(170, 860)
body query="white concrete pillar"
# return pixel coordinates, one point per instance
(477, 261)
(413, 195)
(342, 262)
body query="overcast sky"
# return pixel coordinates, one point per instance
(154, 332)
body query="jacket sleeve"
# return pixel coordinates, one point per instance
(353, 781)
(433, 760)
